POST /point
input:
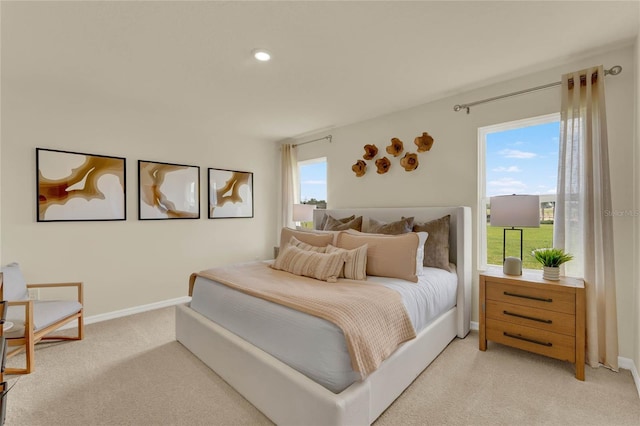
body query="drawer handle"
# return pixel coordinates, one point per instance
(539, 299)
(537, 342)
(526, 317)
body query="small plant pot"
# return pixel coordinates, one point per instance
(551, 273)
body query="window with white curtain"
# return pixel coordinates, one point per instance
(517, 157)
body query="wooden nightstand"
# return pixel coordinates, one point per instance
(530, 313)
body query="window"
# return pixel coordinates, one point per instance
(518, 157)
(313, 182)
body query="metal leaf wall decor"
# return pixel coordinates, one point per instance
(409, 161)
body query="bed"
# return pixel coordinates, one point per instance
(272, 382)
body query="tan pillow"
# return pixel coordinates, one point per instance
(388, 255)
(335, 225)
(355, 262)
(436, 249)
(304, 246)
(401, 226)
(334, 234)
(315, 239)
(321, 266)
(343, 220)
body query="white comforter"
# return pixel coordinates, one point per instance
(311, 345)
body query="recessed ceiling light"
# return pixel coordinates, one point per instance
(261, 55)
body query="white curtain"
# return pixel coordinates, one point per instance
(290, 185)
(582, 225)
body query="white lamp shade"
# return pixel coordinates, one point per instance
(522, 211)
(303, 212)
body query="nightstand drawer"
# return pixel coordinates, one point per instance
(555, 322)
(543, 298)
(559, 346)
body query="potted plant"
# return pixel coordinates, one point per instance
(551, 259)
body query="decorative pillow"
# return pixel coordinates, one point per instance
(313, 238)
(321, 266)
(323, 222)
(15, 287)
(334, 234)
(394, 256)
(335, 225)
(402, 226)
(436, 249)
(355, 262)
(307, 247)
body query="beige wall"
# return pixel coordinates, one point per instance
(447, 175)
(130, 263)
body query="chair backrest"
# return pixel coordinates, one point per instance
(14, 285)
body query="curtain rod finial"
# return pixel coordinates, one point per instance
(457, 108)
(614, 70)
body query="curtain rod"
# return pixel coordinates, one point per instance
(615, 70)
(330, 137)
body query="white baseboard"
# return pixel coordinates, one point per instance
(130, 311)
(474, 325)
(628, 364)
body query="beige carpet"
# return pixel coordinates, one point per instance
(131, 371)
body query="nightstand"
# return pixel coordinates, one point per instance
(534, 314)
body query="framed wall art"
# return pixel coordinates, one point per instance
(74, 186)
(230, 194)
(168, 191)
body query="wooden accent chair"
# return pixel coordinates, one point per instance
(40, 317)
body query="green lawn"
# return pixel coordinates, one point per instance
(533, 238)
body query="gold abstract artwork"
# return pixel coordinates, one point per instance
(168, 191)
(230, 194)
(76, 186)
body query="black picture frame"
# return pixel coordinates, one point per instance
(229, 194)
(168, 191)
(77, 186)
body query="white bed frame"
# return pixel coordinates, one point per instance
(288, 397)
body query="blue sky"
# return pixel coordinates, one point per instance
(523, 160)
(313, 181)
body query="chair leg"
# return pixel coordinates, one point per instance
(30, 347)
(81, 327)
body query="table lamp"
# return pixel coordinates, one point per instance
(514, 212)
(303, 213)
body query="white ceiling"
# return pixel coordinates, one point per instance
(333, 62)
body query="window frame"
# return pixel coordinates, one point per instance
(483, 199)
(307, 163)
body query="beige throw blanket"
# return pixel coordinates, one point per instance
(372, 317)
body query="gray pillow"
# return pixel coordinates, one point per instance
(336, 225)
(402, 226)
(436, 249)
(323, 222)
(14, 286)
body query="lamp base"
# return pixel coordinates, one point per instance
(512, 266)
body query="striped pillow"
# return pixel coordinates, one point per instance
(355, 262)
(321, 266)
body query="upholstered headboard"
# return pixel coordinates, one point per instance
(459, 242)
